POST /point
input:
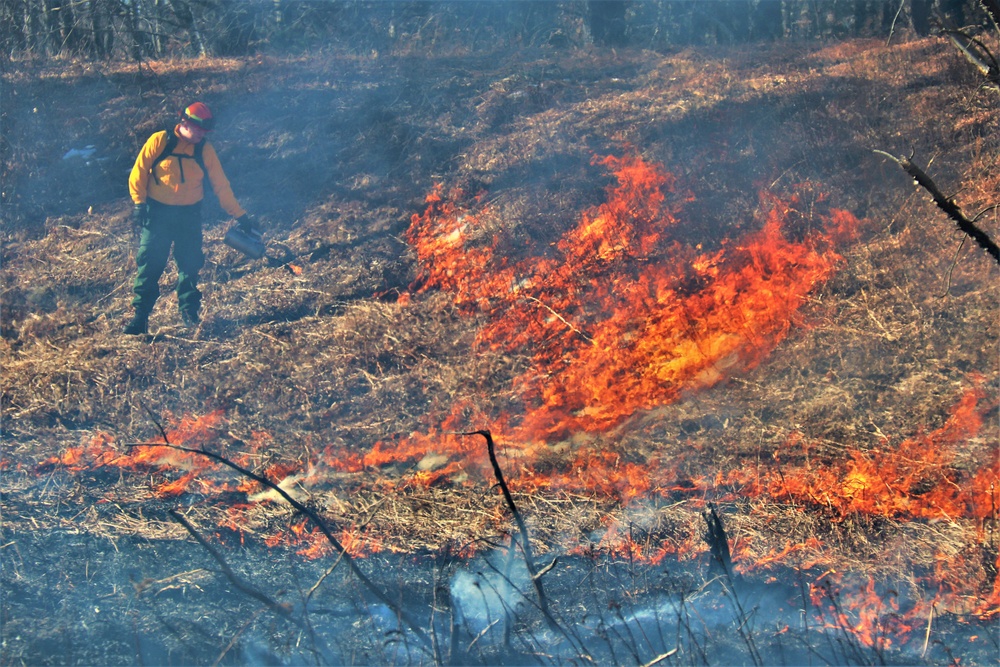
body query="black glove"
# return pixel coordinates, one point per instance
(246, 223)
(140, 213)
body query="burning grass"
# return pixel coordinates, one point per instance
(734, 302)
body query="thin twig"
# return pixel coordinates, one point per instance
(241, 586)
(927, 635)
(951, 269)
(660, 658)
(560, 318)
(232, 642)
(320, 523)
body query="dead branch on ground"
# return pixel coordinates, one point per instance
(977, 54)
(315, 518)
(282, 610)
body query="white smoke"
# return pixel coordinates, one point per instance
(488, 592)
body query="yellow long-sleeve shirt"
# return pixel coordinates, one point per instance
(178, 180)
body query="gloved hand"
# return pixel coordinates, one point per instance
(140, 213)
(246, 223)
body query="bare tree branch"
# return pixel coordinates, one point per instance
(522, 528)
(536, 575)
(946, 204)
(282, 610)
(319, 522)
(992, 8)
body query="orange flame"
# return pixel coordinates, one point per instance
(624, 317)
(915, 480)
(871, 616)
(191, 432)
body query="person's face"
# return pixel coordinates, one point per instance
(191, 132)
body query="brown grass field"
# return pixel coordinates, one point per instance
(662, 281)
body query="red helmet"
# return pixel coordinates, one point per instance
(199, 114)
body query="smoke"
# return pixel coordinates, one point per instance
(487, 593)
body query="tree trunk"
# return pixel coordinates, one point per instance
(138, 39)
(606, 20)
(920, 16)
(185, 19)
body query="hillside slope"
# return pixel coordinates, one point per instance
(346, 356)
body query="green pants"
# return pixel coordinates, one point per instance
(179, 226)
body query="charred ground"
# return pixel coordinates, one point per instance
(311, 351)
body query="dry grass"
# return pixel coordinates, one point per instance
(312, 354)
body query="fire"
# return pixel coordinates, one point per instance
(620, 315)
(624, 316)
(192, 432)
(868, 615)
(920, 479)
(438, 455)
(914, 480)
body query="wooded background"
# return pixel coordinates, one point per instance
(152, 29)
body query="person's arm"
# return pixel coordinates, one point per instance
(138, 180)
(220, 184)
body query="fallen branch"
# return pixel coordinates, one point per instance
(946, 204)
(315, 518)
(976, 53)
(282, 610)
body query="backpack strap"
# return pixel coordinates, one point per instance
(168, 150)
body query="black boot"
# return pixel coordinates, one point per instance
(139, 326)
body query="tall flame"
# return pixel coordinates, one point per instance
(624, 316)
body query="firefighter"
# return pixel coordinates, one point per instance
(167, 185)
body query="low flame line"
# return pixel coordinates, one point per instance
(383, 597)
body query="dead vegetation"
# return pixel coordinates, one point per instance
(313, 360)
